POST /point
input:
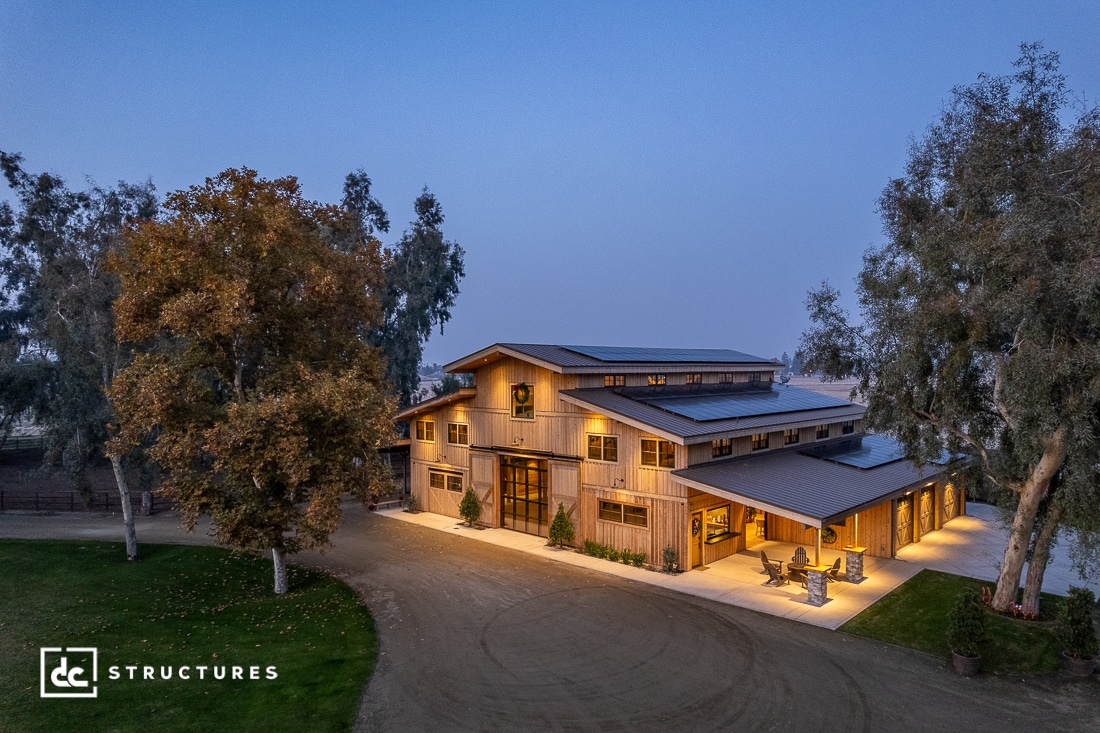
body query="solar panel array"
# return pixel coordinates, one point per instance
(873, 451)
(744, 403)
(642, 354)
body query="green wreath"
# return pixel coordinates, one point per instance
(522, 393)
(696, 526)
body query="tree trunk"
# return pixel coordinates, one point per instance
(146, 503)
(1031, 495)
(127, 510)
(1040, 558)
(280, 571)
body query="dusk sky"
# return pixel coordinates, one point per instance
(643, 174)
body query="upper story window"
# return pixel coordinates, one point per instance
(523, 401)
(656, 379)
(694, 378)
(725, 377)
(822, 432)
(848, 427)
(756, 376)
(721, 447)
(458, 433)
(790, 436)
(614, 380)
(603, 448)
(425, 430)
(660, 453)
(760, 441)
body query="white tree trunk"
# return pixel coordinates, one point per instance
(1037, 566)
(127, 510)
(1031, 495)
(280, 571)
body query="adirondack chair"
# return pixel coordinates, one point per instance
(766, 562)
(831, 573)
(774, 576)
(800, 557)
(797, 574)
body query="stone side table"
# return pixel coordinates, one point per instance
(853, 563)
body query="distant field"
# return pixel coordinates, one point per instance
(179, 607)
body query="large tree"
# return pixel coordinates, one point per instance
(980, 327)
(58, 352)
(263, 399)
(422, 275)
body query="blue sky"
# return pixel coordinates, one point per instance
(651, 174)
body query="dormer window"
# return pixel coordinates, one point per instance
(614, 380)
(694, 378)
(848, 427)
(656, 380)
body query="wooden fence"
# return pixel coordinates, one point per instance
(52, 501)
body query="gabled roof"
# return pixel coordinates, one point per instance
(434, 403)
(607, 359)
(688, 414)
(812, 489)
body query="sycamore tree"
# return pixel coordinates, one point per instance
(58, 352)
(422, 274)
(980, 329)
(262, 399)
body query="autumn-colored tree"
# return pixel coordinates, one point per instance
(263, 401)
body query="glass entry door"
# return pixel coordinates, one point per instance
(524, 504)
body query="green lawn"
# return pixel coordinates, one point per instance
(915, 616)
(179, 606)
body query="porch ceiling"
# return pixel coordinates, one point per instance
(805, 488)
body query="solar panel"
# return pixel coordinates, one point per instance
(642, 354)
(872, 452)
(742, 403)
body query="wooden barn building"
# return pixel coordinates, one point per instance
(700, 449)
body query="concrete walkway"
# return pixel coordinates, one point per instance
(970, 546)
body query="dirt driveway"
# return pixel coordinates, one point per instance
(480, 638)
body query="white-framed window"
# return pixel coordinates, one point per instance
(603, 447)
(659, 453)
(458, 433)
(614, 511)
(425, 430)
(523, 401)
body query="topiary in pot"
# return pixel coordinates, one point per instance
(966, 631)
(470, 507)
(1075, 630)
(561, 530)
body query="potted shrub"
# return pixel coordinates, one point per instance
(470, 507)
(966, 631)
(561, 531)
(1075, 630)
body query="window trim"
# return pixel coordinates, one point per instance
(644, 511)
(710, 539)
(828, 430)
(721, 447)
(657, 380)
(448, 478)
(425, 430)
(847, 427)
(458, 433)
(513, 393)
(658, 455)
(614, 380)
(789, 433)
(760, 441)
(725, 378)
(693, 378)
(604, 437)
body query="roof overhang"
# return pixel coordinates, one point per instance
(625, 419)
(492, 353)
(435, 403)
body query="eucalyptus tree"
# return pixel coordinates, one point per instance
(58, 352)
(980, 327)
(422, 275)
(262, 399)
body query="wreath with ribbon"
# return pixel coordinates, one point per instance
(522, 393)
(696, 526)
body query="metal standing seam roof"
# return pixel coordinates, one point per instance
(805, 488)
(684, 430)
(597, 359)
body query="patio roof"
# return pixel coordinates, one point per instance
(812, 489)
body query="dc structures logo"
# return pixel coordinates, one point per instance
(65, 672)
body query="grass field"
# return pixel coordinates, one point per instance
(179, 607)
(915, 616)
